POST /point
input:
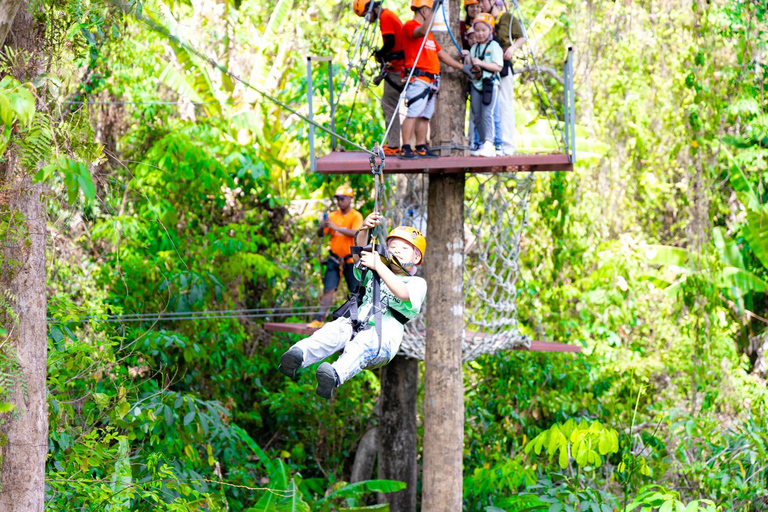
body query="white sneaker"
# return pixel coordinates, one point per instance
(487, 149)
(474, 152)
(509, 152)
(499, 152)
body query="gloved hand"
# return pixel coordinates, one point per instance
(467, 70)
(378, 56)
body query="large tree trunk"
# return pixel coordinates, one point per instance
(443, 386)
(444, 262)
(22, 282)
(397, 431)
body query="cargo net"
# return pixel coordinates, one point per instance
(495, 216)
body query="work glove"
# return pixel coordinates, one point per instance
(467, 70)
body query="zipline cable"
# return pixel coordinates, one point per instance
(190, 315)
(164, 31)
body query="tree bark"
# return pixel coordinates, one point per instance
(8, 10)
(444, 270)
(365, 457)
(22, 282)
(397, 431)
(443, 385)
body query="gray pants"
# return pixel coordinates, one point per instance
(388, 104)
(483, 114)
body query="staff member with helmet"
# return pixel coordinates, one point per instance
(342, 226)
(390, 56)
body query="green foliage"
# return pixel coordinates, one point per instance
(208, 207)
(577, 441)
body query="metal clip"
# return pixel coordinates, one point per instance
(377, 160)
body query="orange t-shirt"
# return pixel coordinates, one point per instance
(428, 61)
(340, 244)
(391, 24)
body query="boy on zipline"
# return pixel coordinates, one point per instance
(366, 345)
(391, 56)
(342, 225)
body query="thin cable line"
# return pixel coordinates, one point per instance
(164, 31)
(166, 318)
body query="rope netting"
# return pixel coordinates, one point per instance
(495, 217)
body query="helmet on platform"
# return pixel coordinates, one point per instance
(418, 4)
(411, 235)
(344, 190)
(361, 7)
(486, 18)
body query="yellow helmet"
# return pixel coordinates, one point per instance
(344, 190)
(411, 235)
(486, 18)
(418, 4)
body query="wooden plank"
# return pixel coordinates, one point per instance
(536, 346)
(356, 162)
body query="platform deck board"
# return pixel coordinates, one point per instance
(536, 346)
(356, 162)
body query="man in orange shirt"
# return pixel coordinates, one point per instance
(391, 56)
(426, 78)
(342, 225)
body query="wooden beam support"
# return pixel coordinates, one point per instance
(350, 162)
(443, 384)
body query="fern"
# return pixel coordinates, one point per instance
(36, 144)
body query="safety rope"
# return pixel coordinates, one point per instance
(450, 32)
(165, 32)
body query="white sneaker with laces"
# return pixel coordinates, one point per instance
(487, 149)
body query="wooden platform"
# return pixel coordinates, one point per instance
(536, 346)
(356, 162)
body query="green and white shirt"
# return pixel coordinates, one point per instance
(391, 328)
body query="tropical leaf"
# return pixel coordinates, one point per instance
(756, 233)
(359, 488)
(742, 280)
(727, 249)
(667, 255)
(177, 81)
(261, 65)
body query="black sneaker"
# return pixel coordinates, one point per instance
(424, 152)
(291, 361)
(406, 153)
(327, 380)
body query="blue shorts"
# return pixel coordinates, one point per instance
(332, 276)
